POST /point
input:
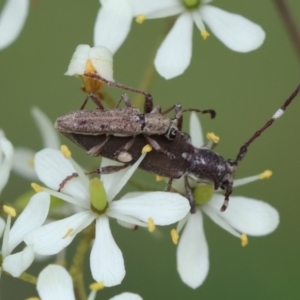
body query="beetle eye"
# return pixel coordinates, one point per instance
(172, 133)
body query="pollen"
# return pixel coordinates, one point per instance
(159, 178)
(140, 18)
(266, 174)
(244, 240)
(151, 225)
(9, 210)
(31, 162)
(147, 148)
(65, 151)
(37, 188)
(96, 286)
(174, 236)
(33, 298)
(89, 68)
(68, 233)
(204, 34)
(212, 137)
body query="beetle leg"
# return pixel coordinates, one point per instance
(126, 100)
(107, 170)
(189, 195)
(169, 185)
(95, 151)
(125, 148)
(158, 148)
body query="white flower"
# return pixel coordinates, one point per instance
(12, 20)
(28, 220)
(23, 158)
(54, 282)
(6, 159)
(174, 55)
(113, 24)
(244, 216)
(106, 259)
(87, 59)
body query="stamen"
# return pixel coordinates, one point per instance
(69, 232)
(266, 174)
(65, 151)
(96, 286)
(244, 240)
(211, 136)
(147, 149)
(97, 194)
(9, 210)
(151, 225)
(89, 68)
(159, 178)
(33, 298)
(204, 34)
(140, 18)
(174, 236)
(37, 188)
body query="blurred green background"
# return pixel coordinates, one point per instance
(244, 89)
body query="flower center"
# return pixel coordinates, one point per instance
(191, 4)
(203, 194)
(98, 196)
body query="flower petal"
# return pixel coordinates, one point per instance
(174, 54)
(6, 159)
(12, 20)
(32, 217)
(114, 182)
(54, 282)
(163, 207)
(102, 61)
(46, 128)
(112, 24)
(22, 163)
(17, 263)
(156, 8)
(250, 216)
(127, 296)
(106, 261)
(235, 31)
(53, 168)
(192, 252)
(196, 134)
(2, 226)
(78, 60)
(53, 237)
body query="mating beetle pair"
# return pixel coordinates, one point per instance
(174, 157)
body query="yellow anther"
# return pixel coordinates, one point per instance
(89, 68)
(65, 151)
(37, 188)
(151, 225)
(69, 232)
(204, 34)
(96, 286)
(175, 236)
(244, 239)
(266, 174)
(9, 210)
(33, 298)
(140, 18)
(31, 162)
(147, 148)
(159, 178)
(212, 137)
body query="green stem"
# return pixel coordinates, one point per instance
(76, 269)
(26, 277)
(290, 24)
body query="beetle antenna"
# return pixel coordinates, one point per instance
(278, 114)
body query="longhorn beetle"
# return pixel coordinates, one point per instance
(127, 121)
(200, 164)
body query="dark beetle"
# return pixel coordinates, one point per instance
(200, 164)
